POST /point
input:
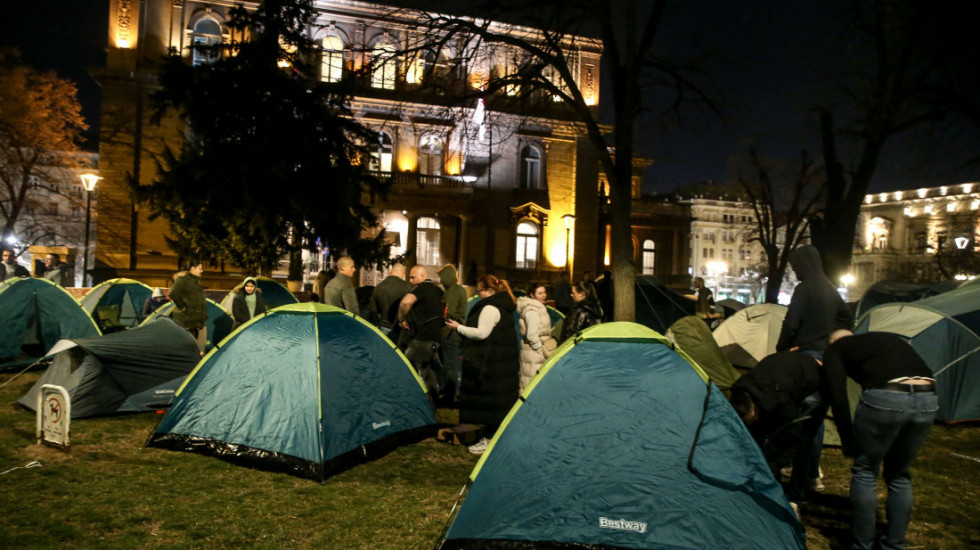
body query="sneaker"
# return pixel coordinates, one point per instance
(816, 484)
(796, 509)
(479, 447)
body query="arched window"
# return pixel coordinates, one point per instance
(332, 59)
(530, 167)
(383, 66)
(430, 156)
(381, 158)
(647, 257)
(207, 32)
(527, 245)
(428, 232)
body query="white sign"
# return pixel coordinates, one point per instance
(53, 415)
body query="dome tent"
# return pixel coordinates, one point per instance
(692, 335)
(621, 443)
(219, 323)
(116, 303)
(34, 315)
(309, 389)
(751, 334)
(128, 371)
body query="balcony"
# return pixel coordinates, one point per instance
(413, 182)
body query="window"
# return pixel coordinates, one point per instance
(52, 209)
(331, 59)
(207, 32)
(527, 245)
(430, 156)
(383, 66)
(428, 241)
(530, 168)
(646, 260)
(76, 212)
(381, 158)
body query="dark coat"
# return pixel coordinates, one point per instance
(385, 299)
(17, 271)
(190, 307)
(583, 315)
(491, 367)
(816, 309)
(239, 308)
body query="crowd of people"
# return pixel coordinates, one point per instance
(55, 270)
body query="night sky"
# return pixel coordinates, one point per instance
(767, 59)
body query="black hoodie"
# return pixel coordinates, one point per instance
(816, 309)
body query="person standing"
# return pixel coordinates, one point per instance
(536, 341)
(57, 272)
(454, 306)
(897, 408)
(247, 302)
(339, 292)
(386, 297)
(815, 310)
(190, 306)
(10, 268)
(585, 313)
(491, 368)
(562, 293)
(420, 317)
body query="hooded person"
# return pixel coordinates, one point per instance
(454, 305)
(247, 302)
(815, 310)
(153, 303)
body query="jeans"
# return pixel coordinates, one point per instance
(806, 460)
(889, 426)
(452, 358)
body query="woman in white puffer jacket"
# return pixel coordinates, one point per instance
(536, 340)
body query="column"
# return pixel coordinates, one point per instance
(413, 240)
(464, 244)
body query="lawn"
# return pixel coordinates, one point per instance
(110, 492)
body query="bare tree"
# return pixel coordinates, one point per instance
(542, 62)
(783, 206)
(40, 127)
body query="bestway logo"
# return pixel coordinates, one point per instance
(381, 424)
(623, 525)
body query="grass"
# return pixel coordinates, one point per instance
(109, 492)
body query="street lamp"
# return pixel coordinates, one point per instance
(717, 269)
(569, 220)
(88, 182)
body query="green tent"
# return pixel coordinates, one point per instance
(273, 293)
(619, 442)
(117, 303)
(34, 315)
(945, 331)
(219, 322)
(128, 371)
(308, 389)
(692, 335)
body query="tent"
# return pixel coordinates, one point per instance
(619, 442)
(219, 323)
(34, 315)
(273, 293)
(116, 303)
(128, 371)
(890, 290)
(730, 306)
(945, 331)
(692, 335)
(657, 307)
(308, 389)
(751, 334)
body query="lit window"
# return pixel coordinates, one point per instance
(207, 32)
(430, 156)
(527, 245)
(332, 59)
(383, 67)
(530, 168)
(381, 158)
(428, 232)
(646, 264)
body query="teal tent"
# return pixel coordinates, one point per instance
(658, 307)
(273, 293)
(128, 371)
(34, 315)
(620, 442)
(692, 335)
(219, 323)
(117, 303)
(308, 389)
(945, 331)
(890, 290)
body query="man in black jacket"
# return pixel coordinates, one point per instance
(898, 406)
(772, 401)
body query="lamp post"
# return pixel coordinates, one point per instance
(569, 220)
(88, 182)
